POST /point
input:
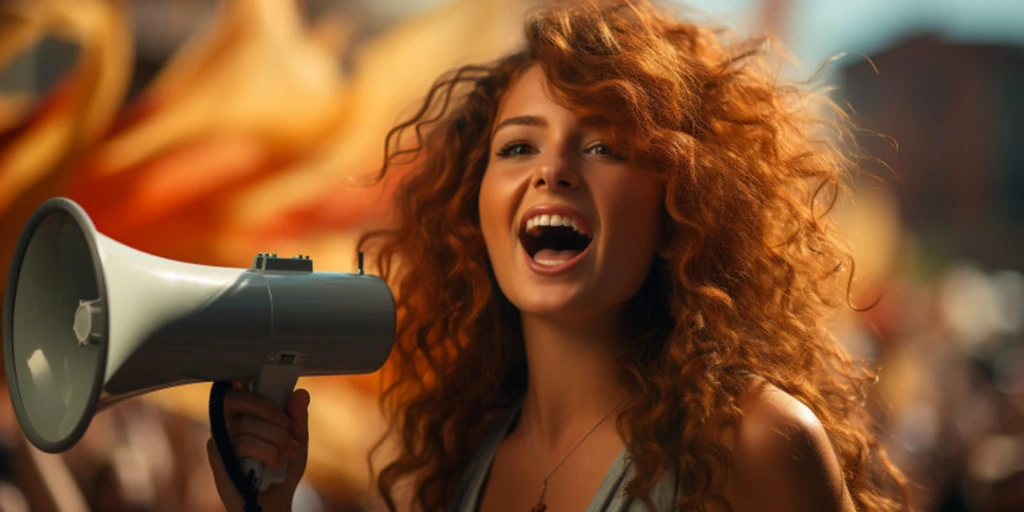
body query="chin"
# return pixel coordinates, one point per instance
(555, 304)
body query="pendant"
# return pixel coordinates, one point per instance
(540, 506)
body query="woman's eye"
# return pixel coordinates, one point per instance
(602, 149)
(516, 148)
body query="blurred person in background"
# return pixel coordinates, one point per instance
(613, 264)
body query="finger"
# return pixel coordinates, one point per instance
(271, 433)
(298, 412)
(239, 401)
(258, 450)
(228, 494)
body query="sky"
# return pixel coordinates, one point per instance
(817, 29)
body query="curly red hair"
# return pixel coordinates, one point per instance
(748, 269)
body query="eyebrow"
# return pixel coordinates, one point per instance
(522, 121)
(531, 120)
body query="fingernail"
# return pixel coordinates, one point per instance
(281, 419)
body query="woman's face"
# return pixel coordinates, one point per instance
(571, 228)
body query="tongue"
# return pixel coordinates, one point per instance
(555, 255)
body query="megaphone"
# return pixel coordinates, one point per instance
(88, 322)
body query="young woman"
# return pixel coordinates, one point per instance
(613, 265)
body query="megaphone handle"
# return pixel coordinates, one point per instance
(221, 438)
(275, 381)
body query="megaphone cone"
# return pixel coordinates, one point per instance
(88, 321)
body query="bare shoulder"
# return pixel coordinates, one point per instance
(781, 456)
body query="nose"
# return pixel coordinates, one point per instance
(556, 173)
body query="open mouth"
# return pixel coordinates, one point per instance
(552, 240)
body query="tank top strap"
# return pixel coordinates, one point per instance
(470, 489)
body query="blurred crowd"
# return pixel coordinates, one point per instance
(950, 396)
(255, 131)
(149, 455)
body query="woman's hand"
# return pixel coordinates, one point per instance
(261, 431)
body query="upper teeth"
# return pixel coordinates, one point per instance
(553, 220)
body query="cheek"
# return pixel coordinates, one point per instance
(635, 211)
(494, 211)
(498, 199)
(652, 205)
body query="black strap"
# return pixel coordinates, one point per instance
(221, 438)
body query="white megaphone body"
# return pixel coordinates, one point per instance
(88, 322)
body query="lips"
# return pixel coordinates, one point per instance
(554, 238)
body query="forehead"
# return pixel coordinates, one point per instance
(531, 95)
(530, 101)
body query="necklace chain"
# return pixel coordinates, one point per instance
(540, 506)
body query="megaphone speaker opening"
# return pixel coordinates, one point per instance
(54, 379)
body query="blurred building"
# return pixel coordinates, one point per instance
(956, 111)
(943, 128)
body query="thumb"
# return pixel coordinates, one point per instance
(298, 427)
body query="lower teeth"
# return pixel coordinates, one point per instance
(552, 257)
(551, 263)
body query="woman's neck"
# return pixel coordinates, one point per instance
(573, 376)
